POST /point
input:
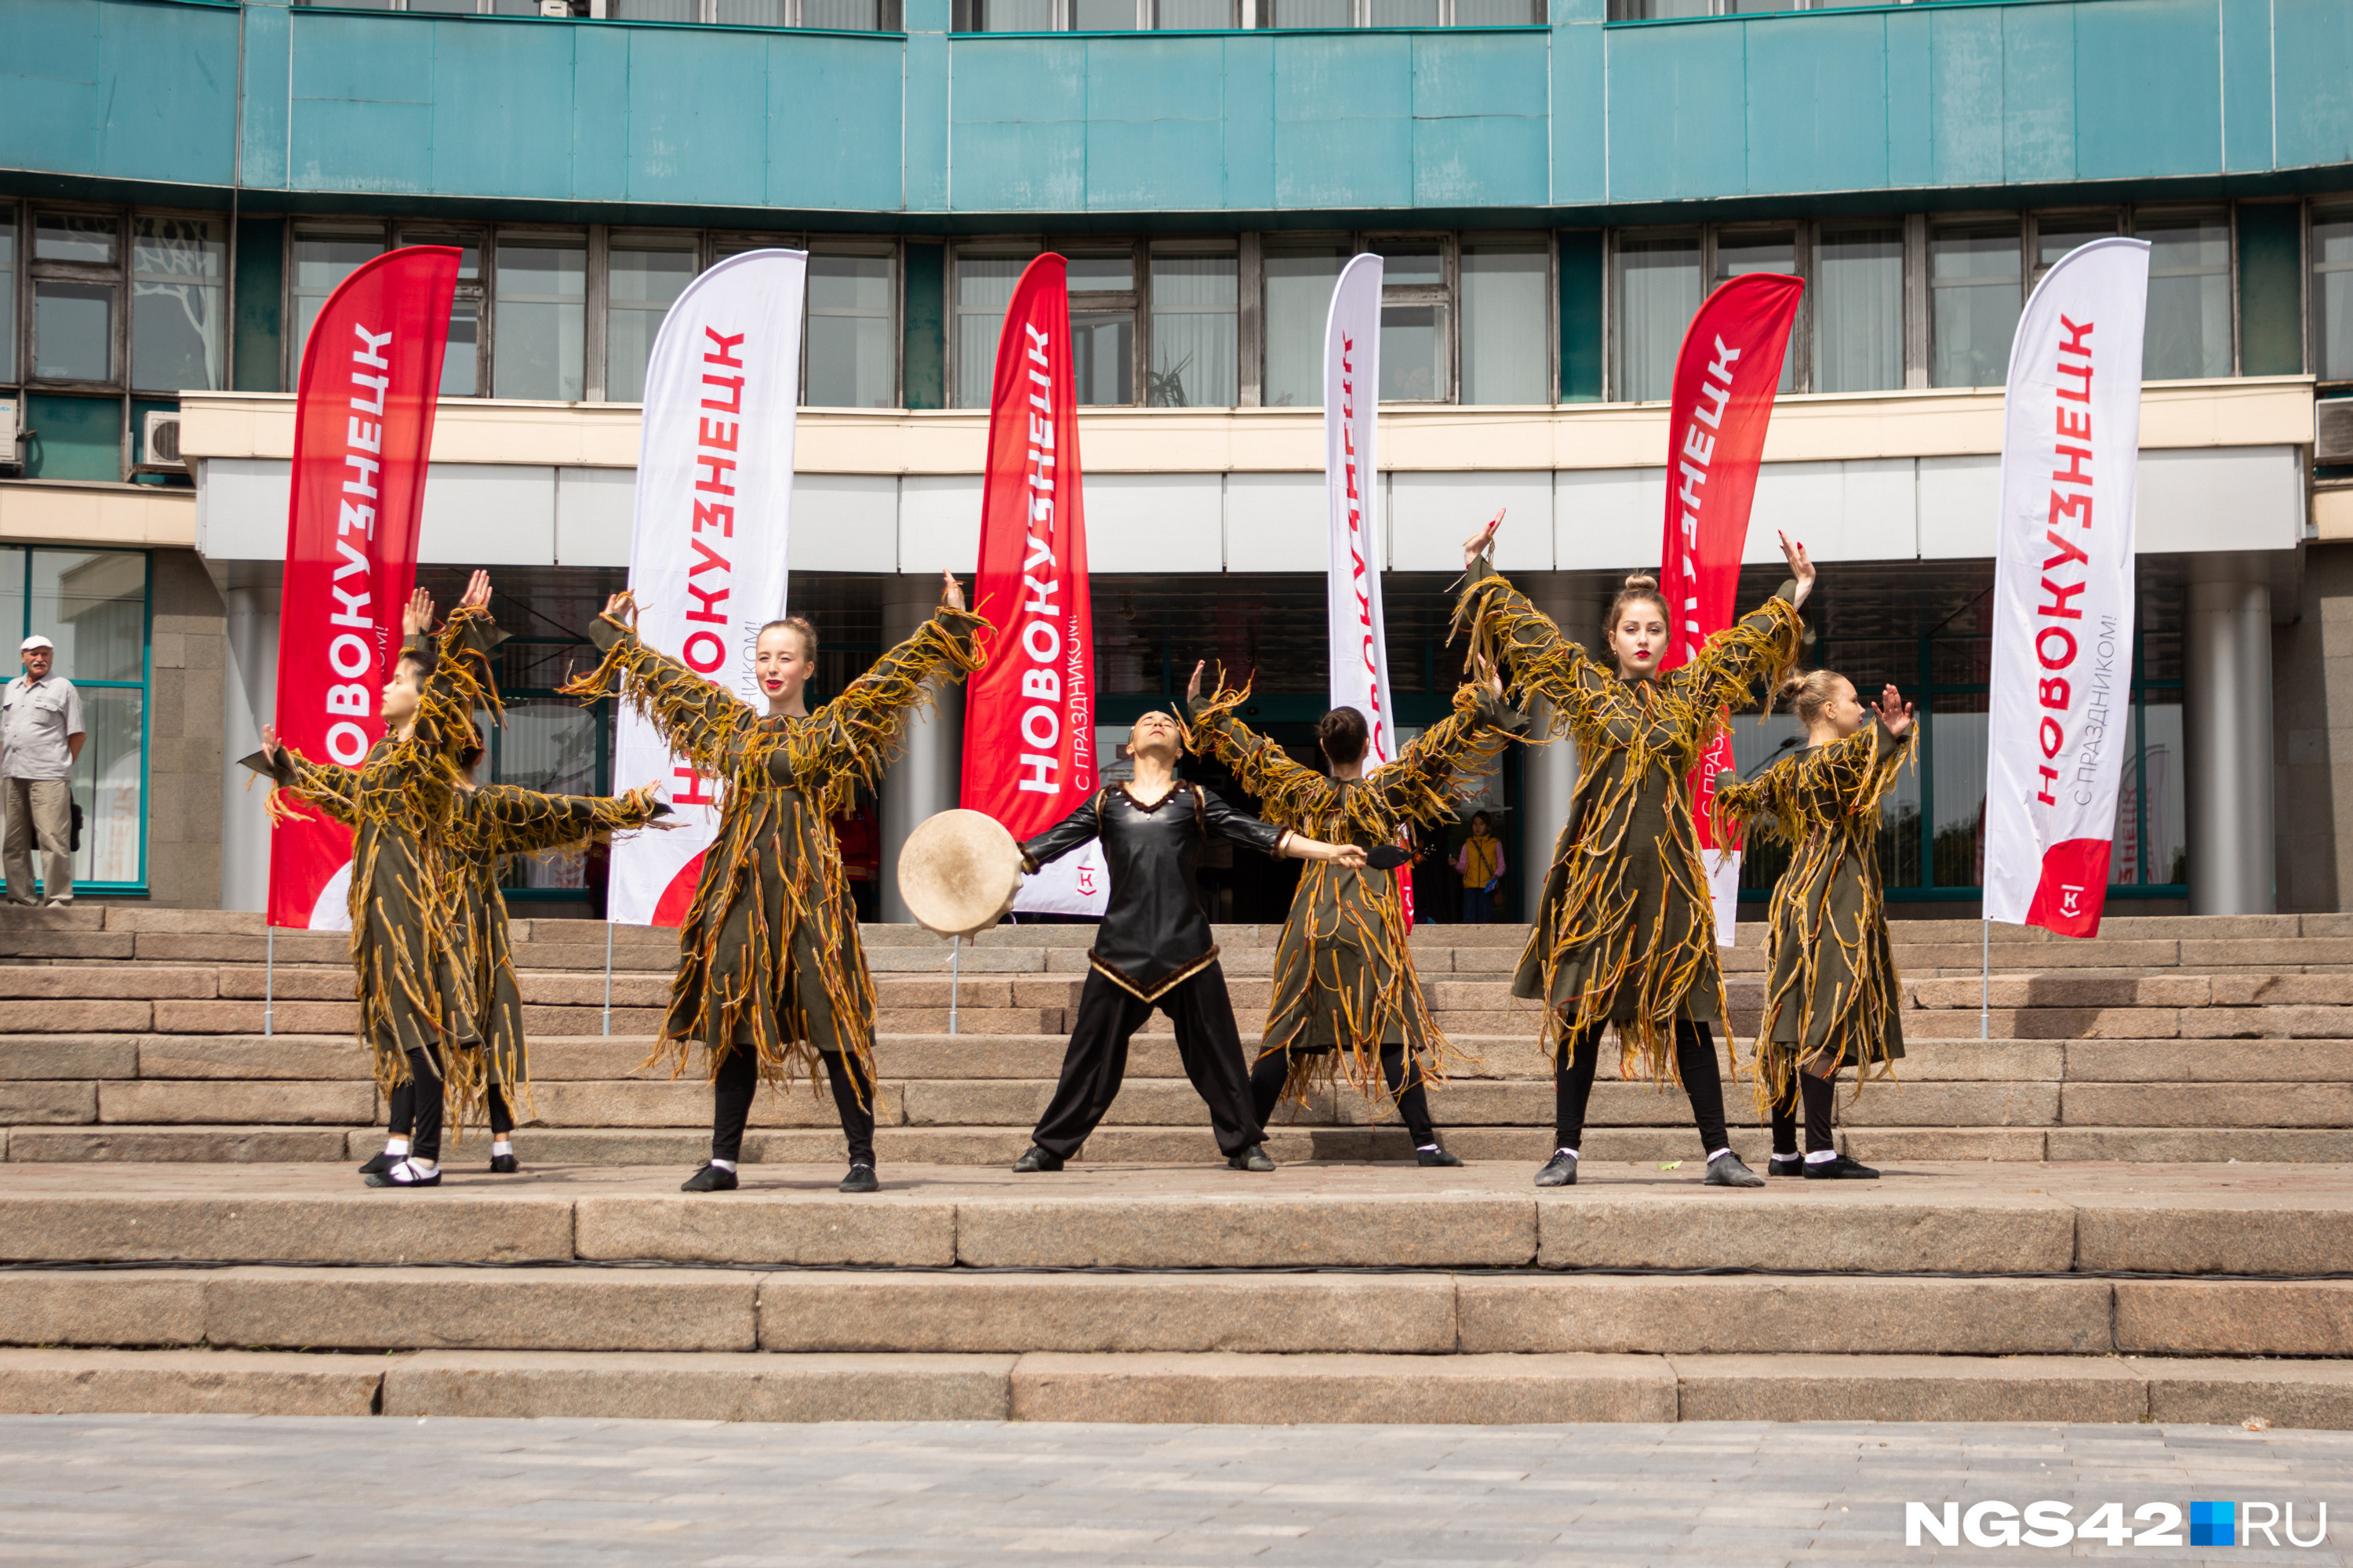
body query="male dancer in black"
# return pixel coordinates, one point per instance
(1153, 948)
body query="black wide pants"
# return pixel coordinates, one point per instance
(1695, 1063)
(739, 1081)
(1207, 1042)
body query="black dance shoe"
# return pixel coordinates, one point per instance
(1251, 1159)
(1729, 1171)
(1840, 1170)
(381, 1164)
(1037, 1160)
(709, 1179)
(504, 1165)
(861, 1180)
(1786, 1165)
(1560, 1170)
(405, 1173)
(1436, 1157)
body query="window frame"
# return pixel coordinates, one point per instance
(476, 293)
(1944, 222)
(883, 246)
(115, 275)
(597, 385)
(527, 236)
(2156, 212)
(289, 355)
(1502, 238)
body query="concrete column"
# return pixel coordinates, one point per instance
(1548, 773)
(2227, 717)
(928, 775)
(248, 700)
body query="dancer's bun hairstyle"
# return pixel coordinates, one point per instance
(1341, 733)
(1808, 693)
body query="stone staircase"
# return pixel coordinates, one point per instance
(137, 1034)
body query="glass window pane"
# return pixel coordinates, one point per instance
(110, 782)
(176, 321)
(1957, 736)
(1201, 14)
(641, 284)
(93, 605)
(1103, 16)
(1973, 307)
(322, 261)
(984, 288)
(1499, 13)
(1298, 300)
(1503, 340)
(542, 288)
(1307, 13)
(849, 340)
(655, 10)
(2332, 290)
(1657, 295)
(75, 236)
(2164, 772)
(13, 628)
(1103, 356)
(7, 297)
(1110, 273)
(1859, 309)
(73, 330)
(845, 16)
(1412, 339)
(1015, 17)
(2189, 297)
(550, 745)
(461, 357)
(1195, 345)
(2061, 232)
(751, 13)
(1769, 251)
(1410, 263)
(1405, 13)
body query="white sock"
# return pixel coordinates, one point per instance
(1719, 1154)
(396, 1146)
(426, 1166)
(1558, 1152)
(1424, 1147)
(723, 1165)
(500, 1146)
(1821, 1156)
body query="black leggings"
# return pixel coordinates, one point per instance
(1694, 1062)
(739, 1080)
(402, 1118)
(1818, 1101)
(1268, 1072)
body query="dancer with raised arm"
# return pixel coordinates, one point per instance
(1833, 1000)
(416, 1007)
(1625, 933)
(772, 980)
(1346, 999)
(1154, 949)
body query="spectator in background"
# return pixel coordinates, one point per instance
(40, 740)
(1480, 862)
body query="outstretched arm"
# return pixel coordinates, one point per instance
(1080, 825)
(1266, 771)
(334, 791)
(1419, 784)
(1518, 638)
(513, 821)
(848, 740)
(695, 718)
(1268, 839)
(1759, 647)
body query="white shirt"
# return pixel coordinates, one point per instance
(36, 717)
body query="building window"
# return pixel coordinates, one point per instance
(1133, 16)
(324, 258)
(76, 272)
(1858, 288)
(1974, 303)
(2188, 294)
(461, 355)
(1102, 325)
(1298, 283)
(2332, 292)
(1195, 345)
(1656, 282)
(2056, 234)
(1743, 251)
(8, 299)
(984, 289)
(93, 605)
(178, 322)
(1414, 312)
(852, 350)
(644, 277)
(539, 317)
(1506, 290)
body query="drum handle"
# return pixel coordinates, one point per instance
(955, 947)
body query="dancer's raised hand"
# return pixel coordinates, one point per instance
(416, 615)
(1193, 686)
(622, 605)
(478, 591)
(1799, 567)
(1479, 543)
(1894, 712)
(951, 591)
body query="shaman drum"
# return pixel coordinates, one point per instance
(958, 873)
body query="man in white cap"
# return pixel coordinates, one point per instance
(40, 739)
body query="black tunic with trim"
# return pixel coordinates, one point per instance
(1153, 935)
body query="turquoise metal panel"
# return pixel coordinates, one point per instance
(2247, 84)
(1580, 118)
(600, 113)
(1910, 115)
(1150, 79)
(1007, 167)
(167, 77)
(1249, 123)
(924, 168)
(1150, 165)
(1343, 163)
(1489, 160)
(2148, 87)
(1677, 124)
(697, 118)
(1337, 76)
(340, 56)
(1817, 91)
(833, 122)
(362, 115)
(1028, 80)
(48, 86)
(497, 87)
(2038, 90)
(1965, 124)
(264, 125)
(2314, 48)
(1459, 75)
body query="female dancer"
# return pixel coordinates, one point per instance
(1625, 934)
(415, 1005)
(1833, 1000)
(1344, 988)
(772, 980)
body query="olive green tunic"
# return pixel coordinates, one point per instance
(769, 952)
(1834, 999)
(1625, 931)
(1344, 976)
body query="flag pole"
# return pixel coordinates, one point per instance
(955, 949)
(608, 977)
(269, 975)
(1985, 981)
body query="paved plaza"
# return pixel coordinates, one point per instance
(131, 1491)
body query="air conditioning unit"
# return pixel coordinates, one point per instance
(161, 443)
(12, 433)
(2332, 431)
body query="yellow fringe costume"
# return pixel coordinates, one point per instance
(1344, 978)
(1625, 933)
(1834, 999)
(401, 804)
(770, 951)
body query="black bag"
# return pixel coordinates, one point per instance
(73, 830)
